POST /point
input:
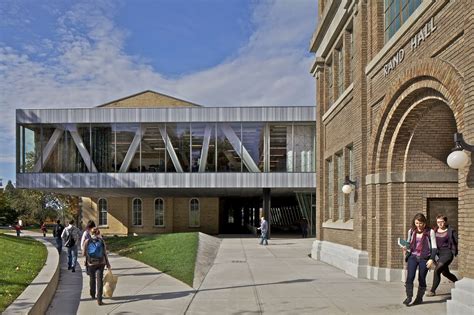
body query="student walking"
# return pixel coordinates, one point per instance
(264, 229)
(71, 237)
(85, 236)
(447, 244)
(421, 255)
(17, 227)
(96, 257)
(44, 229)
(57, 232)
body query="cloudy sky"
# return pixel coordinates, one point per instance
(58, 53)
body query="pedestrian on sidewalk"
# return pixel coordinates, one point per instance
(85, 236)
(96, 257)
(71, 237)
(304, 227)
(44, 229)
(57, 232)
(264, 231)
(421, 255)
(17, 228)
(447, 244)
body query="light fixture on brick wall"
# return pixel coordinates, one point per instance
(458, 158)
(347, 186)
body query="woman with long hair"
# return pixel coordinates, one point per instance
(421, 255)
(447, 244)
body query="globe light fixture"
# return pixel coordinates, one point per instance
(458, 158)
(347, 186)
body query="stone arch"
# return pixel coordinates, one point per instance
(429, 79)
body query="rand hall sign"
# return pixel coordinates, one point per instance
(424, 32)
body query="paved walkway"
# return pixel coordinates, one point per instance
(246, 278)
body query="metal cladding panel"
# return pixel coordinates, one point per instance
(188, 114)
(166, 180)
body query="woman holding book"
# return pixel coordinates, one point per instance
(447, 244)
(422, 252)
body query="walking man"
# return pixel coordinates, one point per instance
(57, 232)
(264, 229)
(71, 237)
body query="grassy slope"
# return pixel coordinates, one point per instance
(174, 254)
(20, 261)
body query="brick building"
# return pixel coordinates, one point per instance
(151, 163)
(394, 82)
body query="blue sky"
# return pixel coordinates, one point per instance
(58, 53)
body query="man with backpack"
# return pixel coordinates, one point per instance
(57, 232)
(96, 258)
(71, 237)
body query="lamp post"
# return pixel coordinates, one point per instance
(458, 158)
(347, 186)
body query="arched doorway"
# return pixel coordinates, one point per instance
(409, 174)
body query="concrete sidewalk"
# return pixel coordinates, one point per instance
(245, 278)
(281, 279)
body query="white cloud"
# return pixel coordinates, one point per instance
(88, 66)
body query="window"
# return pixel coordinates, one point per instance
(350, 35)
(340, 182)
(102, 207)
(340, 74)
(330, 201)
(159, 212)
(194, 213)
(396, 13)
(350, 153)
(137, 212)
(330, 84)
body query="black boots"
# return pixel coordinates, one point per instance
(419, 296)
(409, 291)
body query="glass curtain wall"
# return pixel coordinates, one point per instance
(228, 143)
(203, 149)
(253, 142)
(30, 147)
(286, 148)
(153, 149)
(179, 134)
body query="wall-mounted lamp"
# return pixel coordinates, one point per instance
(458, 158)
(347, 186)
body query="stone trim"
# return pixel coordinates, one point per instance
(339, 224)
(338, 103)
(412, 177)
(353, 261)
(462, 297)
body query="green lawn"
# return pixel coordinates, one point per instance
(174, 254)
(20, 261)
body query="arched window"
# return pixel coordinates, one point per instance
(159, 212)
(137, 212)
(102, 207)
(194, 213)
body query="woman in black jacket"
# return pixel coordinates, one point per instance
(447, 244)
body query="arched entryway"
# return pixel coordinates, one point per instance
(408, 172)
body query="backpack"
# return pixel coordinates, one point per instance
(70, 241)
(95, 251)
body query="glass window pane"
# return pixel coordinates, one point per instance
(280, 147)
(102, 152)
(228, 147)
(30, 147)
(304, 148)
(179, 135)
(253, 142)
(203, 146)
(124, 134)
(153, 149)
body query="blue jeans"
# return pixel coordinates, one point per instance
(263, 238)
(59, 244)
(72, 256)
(415, 262)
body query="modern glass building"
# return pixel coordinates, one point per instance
(153, 167)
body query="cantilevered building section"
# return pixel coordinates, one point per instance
(152, 163)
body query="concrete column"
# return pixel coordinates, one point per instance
(266, 208)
